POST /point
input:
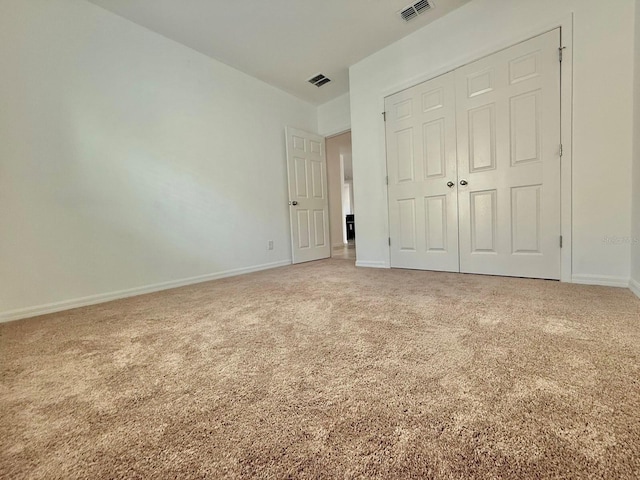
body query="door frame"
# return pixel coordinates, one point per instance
(342, 225)
(565, 24)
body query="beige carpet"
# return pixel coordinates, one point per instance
(323, 370)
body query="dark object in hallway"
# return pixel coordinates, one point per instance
(351, 227)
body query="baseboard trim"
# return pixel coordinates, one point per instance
(339, 245)
(603, 280)
(29, 312)
(367, 264)
(634, 286)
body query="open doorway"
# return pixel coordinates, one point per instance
(341, 204)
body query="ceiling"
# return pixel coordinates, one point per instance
(282, 42)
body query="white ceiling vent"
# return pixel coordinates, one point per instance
(319, 80)
(412, 11)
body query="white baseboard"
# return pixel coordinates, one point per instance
(339, 245)
(634, 286)
(366, 264)
(107, 297)
(603, 280)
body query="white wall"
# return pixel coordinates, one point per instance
(348, 197)
(635, 235)
(602, 129)
(128, 160)
(334, 116)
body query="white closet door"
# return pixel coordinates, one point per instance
(508, 131)
(421, 161)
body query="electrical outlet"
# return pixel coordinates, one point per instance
(270, 245)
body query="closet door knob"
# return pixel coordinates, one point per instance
(450, 184)
(463, 182)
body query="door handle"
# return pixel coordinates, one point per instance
(450, 184)
(294, 203)
(463, 182)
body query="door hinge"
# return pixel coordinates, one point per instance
(560, 50)
(389, 241)
(560, 241)
(387, 179)
(384, 116)
(561, 151)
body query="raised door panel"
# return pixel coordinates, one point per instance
(405, 162)
(480, 82)
(433, 100)
(403, 109)
(319, 223)
(407, 218)
(317, 179)
(482, 138)
(435, 161)
(525, 128)
(299, 144)
(483, 221)
(301, 176)
(525, 67)
(526, 220)
(436, 223)
(304, 229)
(315, 148)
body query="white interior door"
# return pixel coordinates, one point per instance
(508, 121)
(421, 163)
(308, 200)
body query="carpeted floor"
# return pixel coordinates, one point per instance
(323, 370)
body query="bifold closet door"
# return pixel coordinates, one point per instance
(473, 159)
(421, 167)
(508, 132)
